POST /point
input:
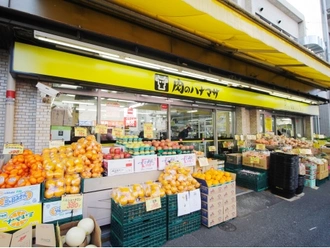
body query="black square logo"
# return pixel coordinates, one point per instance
(161, 82)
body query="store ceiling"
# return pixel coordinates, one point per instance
(230, 27)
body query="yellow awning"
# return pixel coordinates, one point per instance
(230, 26)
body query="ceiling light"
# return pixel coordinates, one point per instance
(280, 95)
(119, 100)
(84, 103)
(113, 91)
(67, 86)
(70, 95)
(262, 90)
(192, 111)
(136, 105)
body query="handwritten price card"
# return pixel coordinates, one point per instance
(101, 129)
(71, 202)
(153, 204)
(80, 131)
(148, 130)
(211, 148)
(203, 162)
(254, 160)
(118, 132)
(260, 147)
(13, 149)
(56, 143)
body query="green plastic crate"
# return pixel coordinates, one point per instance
(134, 230)
(151, 239)
(65, 220)
(322, 181)
(172, 217)
(135, 213)
(172, 202)
(253, 169)
(189, 225)
(233, 166)
(257, 181)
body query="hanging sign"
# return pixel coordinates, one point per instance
(101, 129)
(118, 132)
(12, 149)
(260, 147)
(80, 131)
(152, 204)
(130, 121)
(71, 202)
(211, 148)
(148, 130)
(268, 124)
(56, 143)
(164, 106)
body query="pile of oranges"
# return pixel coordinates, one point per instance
(177, 179)
(65, 166)
(214, 177)
(22, 170)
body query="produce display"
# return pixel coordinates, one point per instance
(177, 179)
(77, 235)
(167, 147)
(116, 153)
(275, 140)
(214, 177)
(22, 170)
(137, 193)
(65, 166)
(261, 154)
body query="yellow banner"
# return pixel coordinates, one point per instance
(268, 124)
(77, 67)
(148, 130)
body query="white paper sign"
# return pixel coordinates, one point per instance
(195, 202)
(183, 203)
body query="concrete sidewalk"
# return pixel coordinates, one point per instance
(265, 219)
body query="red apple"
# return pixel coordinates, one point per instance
(127, 155)
(117, 151)
(122, 155)
(117, 156)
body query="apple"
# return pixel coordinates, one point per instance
(112, 150)
(122, 155)
(117, 156)
(127, 155)
(191, 147)
(117, 151)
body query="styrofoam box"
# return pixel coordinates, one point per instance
(187, 159)
(51, 211)
(145, 163)
(21, 196)
(115, 167)
(165, 160)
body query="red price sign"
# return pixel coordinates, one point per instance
(70, 202)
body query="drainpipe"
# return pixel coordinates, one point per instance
(325, 29)
(10, 109)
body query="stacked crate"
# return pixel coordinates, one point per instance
(133, 226)
(250, 179)
(178, 226)
(322, 173)
(233, 162)
(218, 203)
(310, 177)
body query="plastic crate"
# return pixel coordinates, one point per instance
(151, 239)
(284, 193)
(172, 216)
(129, 214)
(257, 181)
(322, 181)
(134, 230)
(233, 166)
(190, 224)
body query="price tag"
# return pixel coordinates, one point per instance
(251, 137)
(254, 160)
(260, 147)
(211, 148)
(148, 130)
(241, 143)
(56, 143)
(118, 132)
(236, 137)
(80, 131)
(72, 201)
(101, 129)
(152, 204)
(316, 145)
(259, 135)
(13, 149)
(203, 162)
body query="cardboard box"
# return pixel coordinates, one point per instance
(212, 221)
(322, 175)
(234, 158)
(187, 159)
(51, 211)
(211, 198)
(165, 160)
(45, 235)
(229, 207)
(95, 235)
(210, 206)
(5, 239)
(145, 163)
(256, 162)
(57, 116)
(230, 215)
(211, 190)
(116, 167)
(22, 238)
(229, 200)
(20, 217)
(325, 150)
(322, 167)
(13, 197)
(209, 214)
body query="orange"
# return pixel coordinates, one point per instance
(50, 183)
(58, 173)
(33, 180)
(79, 167)
(48, 194)
(75, 181)
(40, 179)
(59, 192)
(74, 190)
(70, 170)
(67, 189)
(68, 180)
(49, 174)
(60, 182)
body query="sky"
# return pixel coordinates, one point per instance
(311, 10)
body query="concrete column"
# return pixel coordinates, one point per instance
(308, 123)
(242, 121)
(10, 108)
(254, 121)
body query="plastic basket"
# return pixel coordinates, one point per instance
(257, 181)
(151, 239)
(134, 230)
(321, 182)
(129, 214)
(233, 166)
(176, 230)
(173, 218)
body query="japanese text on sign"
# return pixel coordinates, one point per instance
(148, 130)
(71, 202)
(101, 129)
(80, 131)
(153, 204)
(13, 149)
(130, 121)
(118, 132)
(180, 87)
(56, 143)
(254, 160)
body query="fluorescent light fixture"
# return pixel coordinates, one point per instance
(118, 100)
(80, 109)
(262, 90)
(113, 91)
(59, 40)
(68, 86)
(192, 111)
(194, 105)
(140, 62)
(70, 95)
(136, 105)
(280, 95)
(84, 103)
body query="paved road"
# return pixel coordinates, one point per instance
(267, 220)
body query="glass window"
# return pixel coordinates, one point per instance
(129, 118)
(191, 123)
(285, 126)
(224, 124)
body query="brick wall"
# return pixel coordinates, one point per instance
(4, 57)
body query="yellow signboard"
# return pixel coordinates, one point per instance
(148, 130)
(71, 202)
(80, 131)
(268, 124)
(101, 129)
(77, 67)
(118, 132)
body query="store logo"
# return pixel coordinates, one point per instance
(19, 218)
(54, 211)
(161, 82)
(23, 196)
